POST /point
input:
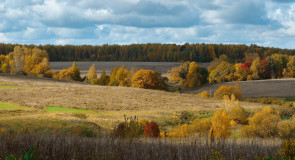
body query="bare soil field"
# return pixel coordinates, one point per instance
(161, 67)
(257, 88)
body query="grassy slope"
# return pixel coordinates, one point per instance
(92, 106)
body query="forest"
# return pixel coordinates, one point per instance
(151, 52)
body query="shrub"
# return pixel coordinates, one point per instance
(263, 124)
(3, 131)
(228, 90)
(238, 114)
(284, 129)
(151, 130)
(288, 149)
(94, 81)
(201, 126)
(132, 127)
(204, 94)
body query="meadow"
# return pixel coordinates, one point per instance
(57, 119)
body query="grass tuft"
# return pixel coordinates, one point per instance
(63, 109)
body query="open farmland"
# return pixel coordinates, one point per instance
(257, 88)
(161, 67)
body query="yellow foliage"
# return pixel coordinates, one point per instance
(228, 90)
(284, 129)
(220, 125)
(263, 124)
(193, 79)
(3, 131)
(92, 73)
(233, 123)
(199, 127)
(204, 94)
(147, 79)
(120, 77)
(72, 73)
(238, 114)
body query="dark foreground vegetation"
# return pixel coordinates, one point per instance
(45, 146)
(154, 52)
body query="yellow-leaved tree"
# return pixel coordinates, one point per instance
(91, 73)
(228, 90)
(264, 123)
(148, 79)
(72, 73)
(220, 125)
(120, 77)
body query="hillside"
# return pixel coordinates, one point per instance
(48, 92)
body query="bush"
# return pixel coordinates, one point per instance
(228, 91)
(148, 79)
(132, 127)
(151, 130)
(204, 94)
(263, 124)
(238, 114)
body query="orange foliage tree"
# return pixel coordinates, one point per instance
(148, 79)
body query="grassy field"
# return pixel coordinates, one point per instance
(46, 113)
(105, 106)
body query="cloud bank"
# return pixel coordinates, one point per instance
(96, 22)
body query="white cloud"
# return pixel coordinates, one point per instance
(141, 21)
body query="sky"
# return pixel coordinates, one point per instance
(96, 22)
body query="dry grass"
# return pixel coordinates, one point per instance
(50, 146)
(107, 104)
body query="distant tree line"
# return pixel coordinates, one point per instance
(151, 52)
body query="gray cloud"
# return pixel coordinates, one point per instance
(142, 21)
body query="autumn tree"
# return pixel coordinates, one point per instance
(228, 91)
(220, 125)
(148, 79)
(92, 73)
(264, 123)
(104, 79)
(72, 73)
(179, 74)
(18, 59)
(193, 78)
(224, 72)
(291, 67)
(120, 77)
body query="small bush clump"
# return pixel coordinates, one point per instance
(204, 94)
(151, 130)
(228, 91)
